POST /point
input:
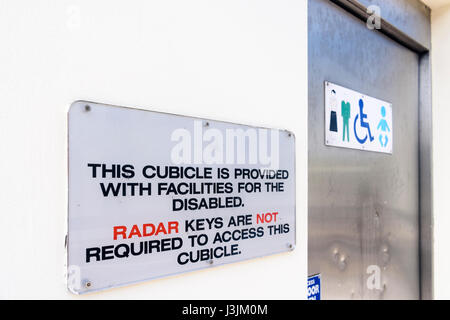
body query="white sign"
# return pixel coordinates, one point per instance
(154, 194)
(357, 121)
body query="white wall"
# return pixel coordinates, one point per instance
(235, 60)
(441, 145)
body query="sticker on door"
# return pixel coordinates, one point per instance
(356, 121)
(314, 287)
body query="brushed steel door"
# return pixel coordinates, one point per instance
(363, 206)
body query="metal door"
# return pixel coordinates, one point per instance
(363, 206)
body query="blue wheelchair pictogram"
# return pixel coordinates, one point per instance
(362, 116)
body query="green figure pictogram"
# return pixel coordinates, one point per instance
(345, 111)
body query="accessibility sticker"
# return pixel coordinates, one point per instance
(356, 121)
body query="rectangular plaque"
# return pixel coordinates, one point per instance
(154, 194)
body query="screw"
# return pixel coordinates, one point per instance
(87, 108)
(210, 261)
(207, 124)
(87, 284)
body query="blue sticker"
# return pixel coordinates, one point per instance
(314, 287)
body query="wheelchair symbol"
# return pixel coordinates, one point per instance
(362, 116)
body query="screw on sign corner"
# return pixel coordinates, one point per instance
(87, 284)
(87, 108)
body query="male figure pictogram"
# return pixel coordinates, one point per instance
(345, 112)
